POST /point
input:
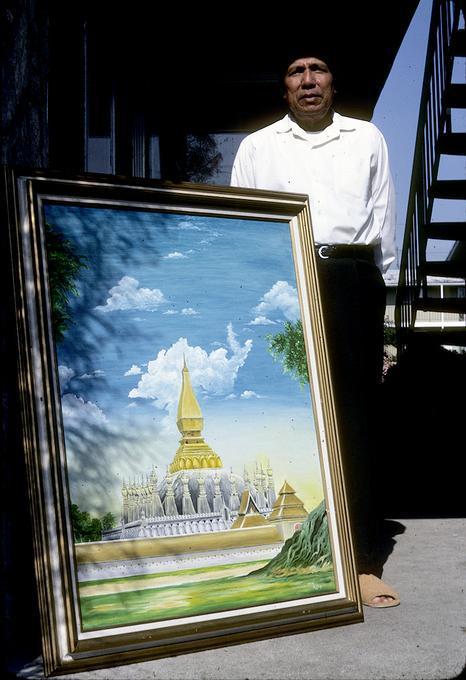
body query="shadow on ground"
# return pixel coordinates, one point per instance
(390, 529)
(419, 468)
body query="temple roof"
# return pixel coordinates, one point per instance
(249, 514)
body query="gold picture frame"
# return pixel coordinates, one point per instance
(142, 306)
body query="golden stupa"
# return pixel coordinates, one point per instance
(193, 452)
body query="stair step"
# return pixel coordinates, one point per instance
(449, 231)
(455, 96)
(447, 305)
(452, 143)
(448, 188)
(458, 43)
(439, 336)
(445, 268)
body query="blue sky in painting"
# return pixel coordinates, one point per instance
(158, 287)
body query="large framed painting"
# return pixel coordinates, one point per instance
(185, 477)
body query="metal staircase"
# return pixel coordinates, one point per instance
(435, 138)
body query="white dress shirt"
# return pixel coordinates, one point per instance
(344, 169)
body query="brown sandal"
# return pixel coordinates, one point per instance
(372, 587)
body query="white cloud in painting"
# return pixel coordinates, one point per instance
(262, 321)
(95, 374)
(134, 370)
(77, 412)
(212, 374)
(128, 295)
(188, 226)
(175, 256)
(283, 297)
(230, 396)
(170, 311)
(249, 394)
(189, 311)
(65, 373)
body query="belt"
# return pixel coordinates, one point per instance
(324, 251)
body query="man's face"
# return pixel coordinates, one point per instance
(309, 89)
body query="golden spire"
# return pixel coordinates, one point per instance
(189, 417)
(193, 452)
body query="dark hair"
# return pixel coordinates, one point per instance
(308, 49)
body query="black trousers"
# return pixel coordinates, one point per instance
(353, 298)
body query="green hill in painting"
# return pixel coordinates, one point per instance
(307, 548)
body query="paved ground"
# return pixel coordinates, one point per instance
(423, 639)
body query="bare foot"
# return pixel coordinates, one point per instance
(382, 600)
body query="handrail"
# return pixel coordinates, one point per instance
(434, 117)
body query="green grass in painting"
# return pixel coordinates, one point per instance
(180, 572)
(190, 599)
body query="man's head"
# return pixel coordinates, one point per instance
(309, 91)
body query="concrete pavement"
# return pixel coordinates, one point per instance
(422, 639)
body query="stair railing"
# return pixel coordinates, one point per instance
(434, 117)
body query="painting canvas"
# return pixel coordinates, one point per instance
(196, 450)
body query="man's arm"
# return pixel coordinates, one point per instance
(383, 196)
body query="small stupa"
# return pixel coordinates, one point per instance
(288, 510)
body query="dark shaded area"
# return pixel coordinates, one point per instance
(154, 72)
(419, 469)
(222, 73)
(24, 63)
(389, 529)
(18, 597)
(24, 59)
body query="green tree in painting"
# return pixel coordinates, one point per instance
(108, 521)
(63, 268)
(85, 527)
(289, 348)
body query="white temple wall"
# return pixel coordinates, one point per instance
(173, 563)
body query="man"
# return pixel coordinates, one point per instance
(342, 164)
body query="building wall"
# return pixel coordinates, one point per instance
(24, 71)
(107, 559)
(23, 142)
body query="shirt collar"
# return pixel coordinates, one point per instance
(339, 124)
